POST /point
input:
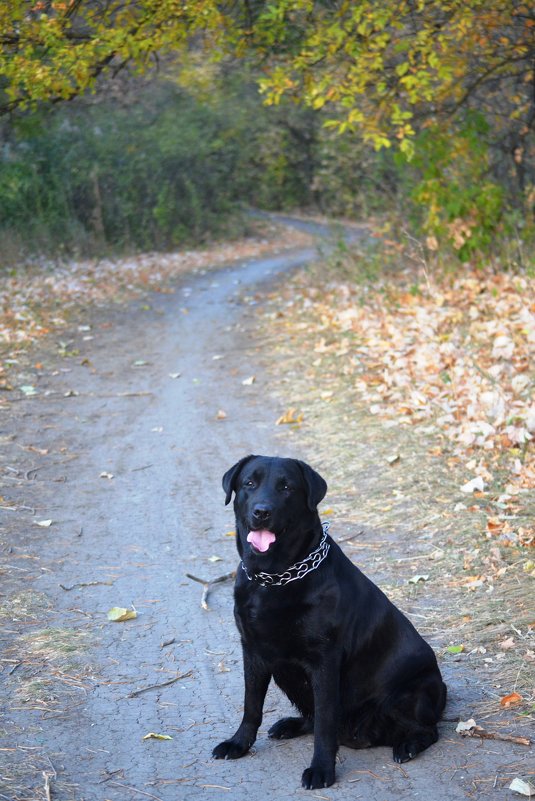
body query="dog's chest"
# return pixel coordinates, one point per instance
(275, 629)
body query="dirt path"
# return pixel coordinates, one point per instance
(125, 457)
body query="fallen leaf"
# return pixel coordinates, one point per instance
(153, 736)
(508, 643)
(28, 390)
(416, 579)
(118, 614)
(523, 787)
(175, 375)
(393, 459)
(139, 363)
(249, 381)
(290, 417)
(466, 725)
(43, 523)
(105, 474)
(476, 483)
(221, 415)
(455, 649)
(503, 347)
(510, 700)
(215, 559)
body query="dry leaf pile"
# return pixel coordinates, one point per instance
(416, 400)
(456, 357)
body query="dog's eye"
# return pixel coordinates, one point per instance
(248, 483)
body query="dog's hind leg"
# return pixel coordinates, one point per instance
(413, 742)
(414, 719)
(287, 728)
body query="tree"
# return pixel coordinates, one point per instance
(421, 76)
(383, 67)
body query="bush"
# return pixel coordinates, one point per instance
(163, 172)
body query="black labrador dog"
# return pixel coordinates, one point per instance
(351, 663)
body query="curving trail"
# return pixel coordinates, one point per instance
(131, 481)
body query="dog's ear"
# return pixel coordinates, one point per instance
(315, 484)
(229, 479)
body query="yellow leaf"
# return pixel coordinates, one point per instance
(291, 416)
(118, 614)
(153, 736)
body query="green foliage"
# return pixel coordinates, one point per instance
(455, 198)
(110, 177)
(166, 170)
(104, 176)
(448, 84)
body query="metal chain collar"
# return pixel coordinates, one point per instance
(297, 571)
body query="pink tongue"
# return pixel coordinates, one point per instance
(261, 539)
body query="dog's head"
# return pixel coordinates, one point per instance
(276, 506)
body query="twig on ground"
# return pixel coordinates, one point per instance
(209, 584)
(135, 693)
(85, 584)
(135, 790)
(350, 536)
(47, 777)
(477, 731)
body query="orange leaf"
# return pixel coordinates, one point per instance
(511, 699)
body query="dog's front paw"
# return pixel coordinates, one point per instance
(314, 777)
(230, 749)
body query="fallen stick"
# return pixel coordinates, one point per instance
(85, 584)
(466, 730)
(135, 790)
(209, 584)
(135, 693)
(47, 777)
(351, 536)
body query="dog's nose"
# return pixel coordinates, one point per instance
(261, 513)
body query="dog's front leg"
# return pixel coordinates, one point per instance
(325, 686)
(257, 679)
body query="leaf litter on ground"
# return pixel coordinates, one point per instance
(37, 298)
(441, 371)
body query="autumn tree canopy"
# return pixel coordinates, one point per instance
(448, 85)
(383, 68)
